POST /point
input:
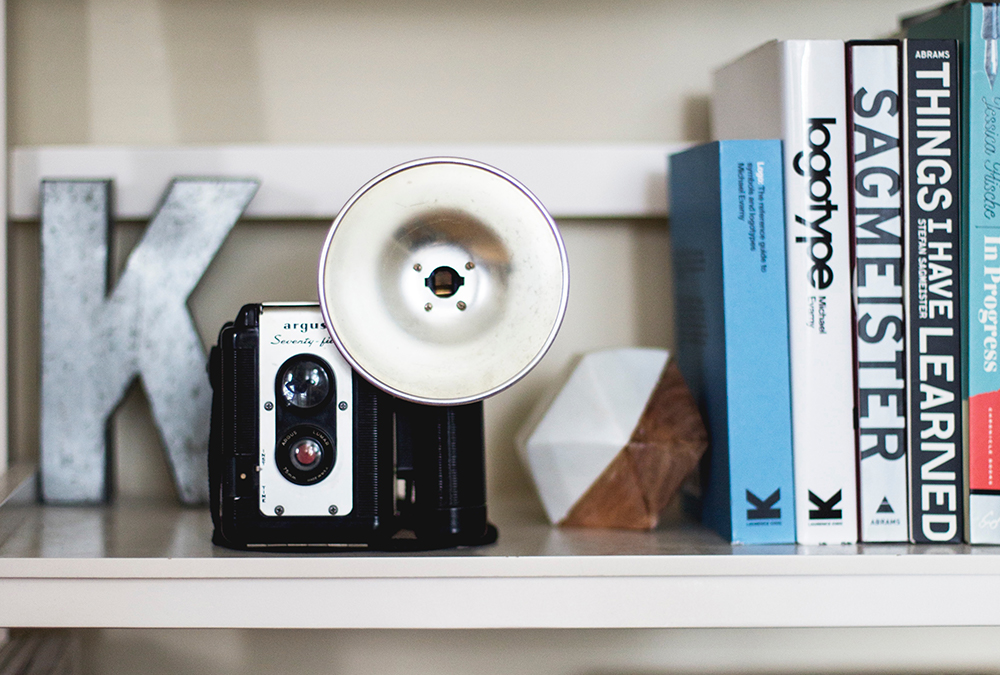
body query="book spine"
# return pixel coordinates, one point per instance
(756, 342)
(819, 290)
(982, 241)
(933, 312)
(727, 227)
(877, 227)
(696, 250)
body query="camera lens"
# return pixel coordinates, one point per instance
(305, 454)
(304, 383)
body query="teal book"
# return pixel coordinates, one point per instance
(727, 227)
(976, 27)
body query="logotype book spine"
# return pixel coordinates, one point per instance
(877, 227)
(974, 25)
(796, 90)
(727, 225)
(934, 343)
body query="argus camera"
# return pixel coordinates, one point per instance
(305, 452)
(358, 422)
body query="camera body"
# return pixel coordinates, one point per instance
(305, 453)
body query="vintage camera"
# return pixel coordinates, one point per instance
(305, 452)
(358, 422)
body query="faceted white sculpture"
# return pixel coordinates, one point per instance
(616, 441)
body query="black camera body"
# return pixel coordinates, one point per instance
(306, 454)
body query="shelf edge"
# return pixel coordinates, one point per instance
(609, 180)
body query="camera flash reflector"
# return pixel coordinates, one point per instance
(402, 314)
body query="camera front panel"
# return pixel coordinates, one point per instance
(306, 394)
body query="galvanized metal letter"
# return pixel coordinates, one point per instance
(97, 340)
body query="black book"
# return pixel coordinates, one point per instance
(932, 88)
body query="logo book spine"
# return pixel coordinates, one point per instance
(727, 224)
(819, 291)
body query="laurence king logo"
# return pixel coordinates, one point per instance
(763, 509)
(824, 507)
(816, 168)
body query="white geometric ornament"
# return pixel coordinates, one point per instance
(616, 442)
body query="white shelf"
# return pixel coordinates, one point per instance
(152, 565)
(577, 181)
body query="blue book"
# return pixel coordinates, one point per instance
(728, 234)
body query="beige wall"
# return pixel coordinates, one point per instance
(222, 71)
(211, 71)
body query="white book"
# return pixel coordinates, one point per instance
(875, 114)
(795, 90)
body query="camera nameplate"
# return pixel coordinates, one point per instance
(287, 331)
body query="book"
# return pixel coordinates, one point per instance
(875, 159)
(727, 227)
(934, 348)
(795, 90)
(974, 26)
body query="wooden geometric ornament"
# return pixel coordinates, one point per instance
(614, 445)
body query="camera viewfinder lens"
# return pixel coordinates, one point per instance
(304, 384)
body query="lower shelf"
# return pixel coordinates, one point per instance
(152, 565)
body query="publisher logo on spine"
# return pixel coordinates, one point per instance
(763, 509)
(824, 507)
(816, 168)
